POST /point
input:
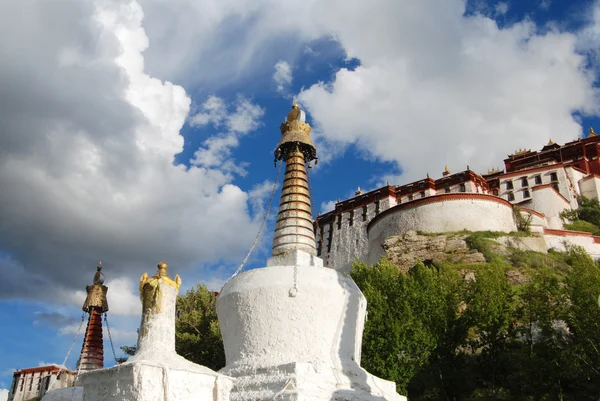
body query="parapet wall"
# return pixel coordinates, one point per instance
(438, 214)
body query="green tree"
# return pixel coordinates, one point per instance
(197, 332)
(490, 308)
(396, 341)
(583, 319)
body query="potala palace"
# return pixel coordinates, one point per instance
(542, 183)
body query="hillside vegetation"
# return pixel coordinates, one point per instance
(472, 331)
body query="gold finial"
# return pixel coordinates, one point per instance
(446, 169)
(592, 132)
(550, 142)
(295, 105)
(99, 267)
(162, 269)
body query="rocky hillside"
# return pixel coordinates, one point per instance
(463, 249)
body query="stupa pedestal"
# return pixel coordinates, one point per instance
(156, 372)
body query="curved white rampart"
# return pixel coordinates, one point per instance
(439, 214)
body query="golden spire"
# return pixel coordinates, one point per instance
(551, 142)
(446, 171)
(294, 229)
(592, 132)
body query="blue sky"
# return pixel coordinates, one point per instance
(133, 131)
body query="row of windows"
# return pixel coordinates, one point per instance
(30, 387)
(526, 193)
(525, 181)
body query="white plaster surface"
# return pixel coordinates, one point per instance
(302, 344)
(590, 187)
(550, 204)
(295, 257)
(64, 394)
(444, 216)
(533, 243)
(350, 242)
(586, 242)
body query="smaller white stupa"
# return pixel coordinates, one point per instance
(293, 330)
(156, 372)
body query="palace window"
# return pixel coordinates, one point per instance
(39, 383)
(351, 218)
(555, 186)
(553, 177)
(538, 179)
(447, 190)
(511, 197)
(364, 213)
(31, 383)
(509, 185)
(463, 188)
(47, 382)
(377, 207)
(410, 197)
(329, 237)
(524, 182)
(421, 185)
(422, 194)
(495, 192)
(339, 221)
(526, 194)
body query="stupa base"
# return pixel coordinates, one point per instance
(311, 381)
(148, 381)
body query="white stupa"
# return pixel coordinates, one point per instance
(293, 330)
(156, 372)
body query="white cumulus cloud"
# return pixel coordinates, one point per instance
(282, 75)
(88, 144)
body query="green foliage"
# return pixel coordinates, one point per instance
(585, 218)
(582, 225)
(481, 242)
(523, 223)
(444, 338)
(197, 332)
(128, 350)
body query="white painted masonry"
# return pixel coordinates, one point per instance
(590, 187)
(295, 332)
(547, 201)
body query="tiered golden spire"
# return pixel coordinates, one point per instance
(592, 132)
(294, 228)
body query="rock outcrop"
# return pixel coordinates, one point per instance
(406, 250)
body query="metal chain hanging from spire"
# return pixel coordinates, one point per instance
(112, 346)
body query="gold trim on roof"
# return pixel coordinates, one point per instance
(520, 152)
(592, 132)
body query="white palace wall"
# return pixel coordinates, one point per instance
(438, 214)
(348, 235)
(550, 203)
